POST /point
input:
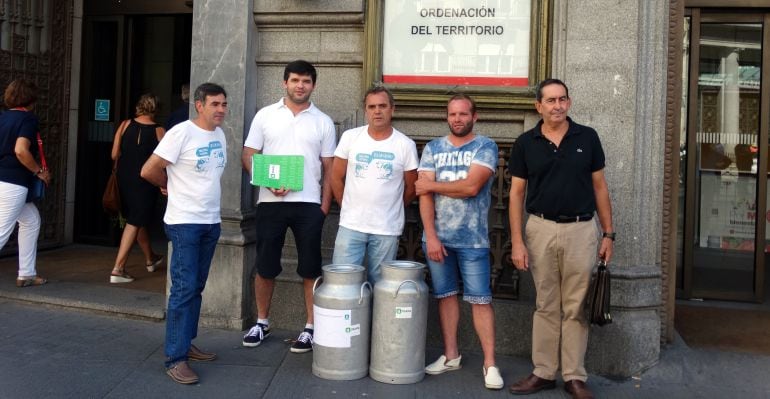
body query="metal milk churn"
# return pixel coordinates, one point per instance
(342, 316)
(399, 323)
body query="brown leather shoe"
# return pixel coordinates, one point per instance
(531, 384)
(197, 355)
(182, 373)
(578, 389)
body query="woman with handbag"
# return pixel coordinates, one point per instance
(134, 142)
(18, 172)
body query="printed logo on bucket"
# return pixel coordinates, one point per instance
(403, 312)
(353, 330)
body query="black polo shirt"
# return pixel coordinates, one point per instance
(558, 178)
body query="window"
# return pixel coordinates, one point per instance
(423, 50)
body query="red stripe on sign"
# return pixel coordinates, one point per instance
(456, 80)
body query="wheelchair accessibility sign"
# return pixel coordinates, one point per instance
(102, 110)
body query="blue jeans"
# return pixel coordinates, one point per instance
(193, 248)
(472, 265)
(350, 247)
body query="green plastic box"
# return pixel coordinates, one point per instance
(276, 171)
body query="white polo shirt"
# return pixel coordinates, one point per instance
(275, 130)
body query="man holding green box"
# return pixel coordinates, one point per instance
(292, 126)
(375, 167)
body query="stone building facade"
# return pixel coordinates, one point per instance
(612, 64)
(621, 59)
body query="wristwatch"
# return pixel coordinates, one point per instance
(39, 172)
(611, 236)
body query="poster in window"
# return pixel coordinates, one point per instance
(457, 42)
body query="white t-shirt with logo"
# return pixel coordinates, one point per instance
(373, 201)
(275, 130)
(198, 158)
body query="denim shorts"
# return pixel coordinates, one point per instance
(470, 264)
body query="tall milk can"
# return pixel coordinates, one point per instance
(399, 323)
(342, 316)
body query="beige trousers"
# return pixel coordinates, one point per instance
(561, 258)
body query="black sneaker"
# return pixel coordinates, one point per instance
(256, 335)
(304, 343)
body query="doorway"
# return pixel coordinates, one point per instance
(124, 56)
(724, 154)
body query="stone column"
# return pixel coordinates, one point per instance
(223, 52)
(73, 115)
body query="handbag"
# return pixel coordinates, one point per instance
(36, 191)
(111, 197)
(598, 301)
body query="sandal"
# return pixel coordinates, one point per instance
(120, 276)
(30, 281)
(152, 266)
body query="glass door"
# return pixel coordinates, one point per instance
(724, 250)
(100, 101)
(124, 56)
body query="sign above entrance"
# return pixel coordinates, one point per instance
(457, 42)
(102, 110)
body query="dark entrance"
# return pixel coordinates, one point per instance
(124, 56)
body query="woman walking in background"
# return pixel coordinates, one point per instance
(134, 142)
(18, 171)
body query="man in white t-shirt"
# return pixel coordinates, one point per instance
(292, 126)
(375, 167)
(187, 165)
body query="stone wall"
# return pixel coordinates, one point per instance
(610, 53)
(225, 55)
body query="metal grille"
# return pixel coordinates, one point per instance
(505, 279)
(35, 43)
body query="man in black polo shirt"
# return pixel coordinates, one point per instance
(559, 164)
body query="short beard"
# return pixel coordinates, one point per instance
(294, 100)
(466, 131)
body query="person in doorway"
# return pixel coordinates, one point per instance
(292, 126)
(134, 142)
(454, 184)
(181, 113)
(188, 163)
(559, 164)
(373, 175)
(18, 169)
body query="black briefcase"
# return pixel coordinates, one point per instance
(598, 297)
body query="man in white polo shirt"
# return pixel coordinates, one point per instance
(292, 126)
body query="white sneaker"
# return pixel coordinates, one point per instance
(151, 267)
(492, 378)
(123, 277)
(443, 365)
